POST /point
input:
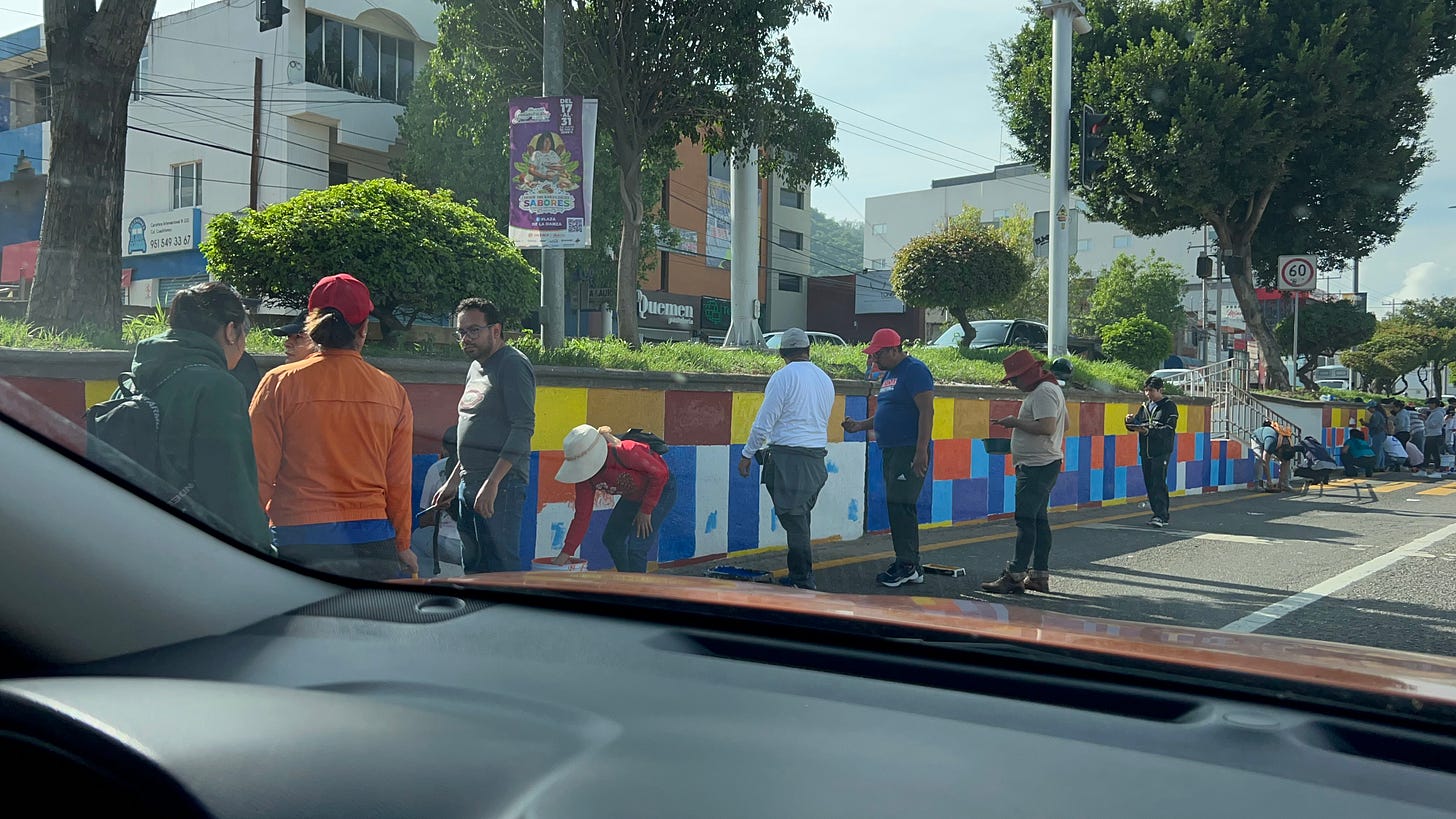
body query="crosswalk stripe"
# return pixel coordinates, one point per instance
(1391, 487)
(1448, 489)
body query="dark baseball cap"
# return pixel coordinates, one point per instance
(1153, 382)
(291, 328)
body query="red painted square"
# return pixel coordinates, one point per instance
(698, 418)
(952, 459)
(548, 489)
(436, 410)
(1090, 420)
(65, 396)
(1127, 450)
(1001, 409)
(1328, 417)
(1098, 444)
(1187, 447)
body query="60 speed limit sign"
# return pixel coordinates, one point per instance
(1297, 273)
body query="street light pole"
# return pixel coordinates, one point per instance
(1065, 15)
(553, 260)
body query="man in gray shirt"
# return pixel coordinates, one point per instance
(497, 420)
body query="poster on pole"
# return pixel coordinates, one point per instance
(718, 242)
(553, 144)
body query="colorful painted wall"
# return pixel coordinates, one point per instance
(707, 420)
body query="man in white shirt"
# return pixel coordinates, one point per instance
(790, 437)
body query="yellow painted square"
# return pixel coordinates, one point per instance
(972, 418)
(1074, 419)
(836, 432)
(745, 409)
(624, 409)
(1114, 418)
(1185, 419)
(558, 409)
(98, 391)
(1197, 418)
(943, 426)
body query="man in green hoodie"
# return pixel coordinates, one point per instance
(205, 440)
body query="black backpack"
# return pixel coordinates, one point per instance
(124, 433)
(651, 439)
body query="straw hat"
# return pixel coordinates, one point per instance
(585, 449)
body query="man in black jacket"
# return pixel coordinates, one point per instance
(1156, 423)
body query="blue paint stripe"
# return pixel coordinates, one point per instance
(677, 539)
(743, 499)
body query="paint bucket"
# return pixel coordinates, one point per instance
(544, 564)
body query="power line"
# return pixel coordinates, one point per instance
(167, 175)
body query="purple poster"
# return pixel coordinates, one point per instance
(553, 141)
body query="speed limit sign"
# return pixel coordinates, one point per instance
(1297, 272)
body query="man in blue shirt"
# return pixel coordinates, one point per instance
(904, 414)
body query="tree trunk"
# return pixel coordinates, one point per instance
(1244, 287)
(968, 333)
(629, 256)
(93, 57)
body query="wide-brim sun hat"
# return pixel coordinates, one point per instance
(584, 451)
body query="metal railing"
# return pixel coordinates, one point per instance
(1236, 411)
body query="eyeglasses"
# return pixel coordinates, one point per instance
(470, 332)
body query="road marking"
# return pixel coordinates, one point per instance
(1391, 487)
(1263, 541)
(1448, 489)
(1319, 591)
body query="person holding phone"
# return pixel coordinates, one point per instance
(1156, 423)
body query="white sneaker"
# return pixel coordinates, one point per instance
(1158, 522)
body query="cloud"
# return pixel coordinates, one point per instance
(1423, 281)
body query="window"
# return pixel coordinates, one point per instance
(880, 264)
(791, 239)
(338, 172)
(880, 230)
(1122, 241)
(368, 63)
(167, 289)
(719, 166)
(790, 283)
(1000, 213)
(791, 199)
(187, 185)
(1084, 244)
(144, 67)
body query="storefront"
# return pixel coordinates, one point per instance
(159, 255)
(667, 316)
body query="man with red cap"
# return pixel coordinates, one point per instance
(1036, 452)
(904, 414)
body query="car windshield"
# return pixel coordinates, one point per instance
(349, 287)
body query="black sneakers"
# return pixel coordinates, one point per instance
(899, 574)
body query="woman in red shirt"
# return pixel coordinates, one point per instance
(599, 462)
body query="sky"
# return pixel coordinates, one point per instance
(924, 66)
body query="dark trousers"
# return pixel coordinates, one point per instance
(493, 544)
(1432, 453)
(1377, 443)
(1353, 466)
(1155, 477)
(794, 478)
(902, 492)
(376, 560)
(1033, 527)
(629, 552)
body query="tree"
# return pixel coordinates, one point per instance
(838, 245)
(1325, 328)
(1151, 287)
(419, 252)
(1305, 116)
(960, 268)
(456, 137)
(666, 70)
(1435, 312)
(1138, 341)
(92, 53)
(1385, 359)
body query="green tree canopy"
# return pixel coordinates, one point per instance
(1325, 328)
(960, 268)
(419, 252)
(838, 245)
(1302, 116)
(1138, 341)
(1386, 358)
(1151, 287)
(666, 70)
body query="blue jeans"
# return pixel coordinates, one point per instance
(493, 544)
(629, 552)
(1034, 486)
(1377, 443)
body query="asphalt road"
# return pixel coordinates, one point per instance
(1379, 573)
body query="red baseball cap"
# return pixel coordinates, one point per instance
(883, 338)
(344, 293)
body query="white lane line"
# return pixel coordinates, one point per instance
(1272, 612)
(1186, 535)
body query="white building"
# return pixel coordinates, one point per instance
(334, 78)
(893, 220)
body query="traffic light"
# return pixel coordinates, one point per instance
(1094, 142)
(270, 14)
(1205, 266)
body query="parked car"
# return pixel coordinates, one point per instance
(1014, 333)
(772, 339)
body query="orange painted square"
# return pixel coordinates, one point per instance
(1127, 450)
(548, 489)
(1098, 444)
(1187, 447)
(952, 459)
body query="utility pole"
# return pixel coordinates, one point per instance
(1066, 16)
(553, 260)
(256, 168)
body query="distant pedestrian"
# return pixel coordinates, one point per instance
(1402, 422)
(334, 437)
(1156, 423)
(296, 344)
(600, 463)
(1271, 443)
(436, 530)
(1396, 455)
(497, 420)
(1435, 427)
(1062, 369)
(1037, 431)
(904, 414)
(790, 436)
(1379, 424)
(1357, 455)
